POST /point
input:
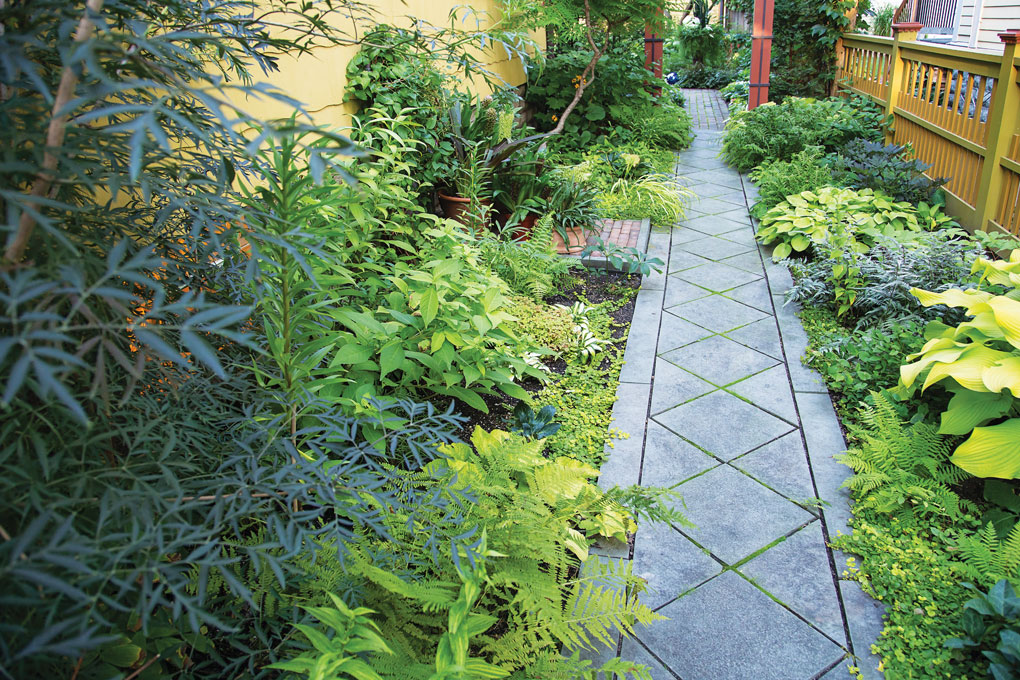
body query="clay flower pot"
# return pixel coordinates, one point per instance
(454, 207)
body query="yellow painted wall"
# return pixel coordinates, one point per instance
(318, 79)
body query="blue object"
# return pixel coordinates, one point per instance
(672, 78)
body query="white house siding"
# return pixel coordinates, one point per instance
(996, 17)
(965, 23)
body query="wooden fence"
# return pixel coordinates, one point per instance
(959, 109)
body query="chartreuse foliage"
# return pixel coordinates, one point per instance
(813, 218)
(992, 623)
(529, 521)
(978, 361)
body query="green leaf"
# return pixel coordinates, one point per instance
(391, 357)
(353, 353)
(991, 451)
(595, 112)
(429, 305)
(121, 656)
(969, 409)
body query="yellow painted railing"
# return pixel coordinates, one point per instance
(960, 110)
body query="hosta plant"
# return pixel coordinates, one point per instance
(811, 218)
(979, 362)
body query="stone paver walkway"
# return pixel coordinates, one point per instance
(708, 110)
(720, 407)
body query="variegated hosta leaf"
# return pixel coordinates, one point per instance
(992, 451)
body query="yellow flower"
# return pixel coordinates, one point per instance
(554, 118)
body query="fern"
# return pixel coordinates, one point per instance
(987, 558)
(903, 469)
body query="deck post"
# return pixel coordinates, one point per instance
(902, 32)
(1002, 114)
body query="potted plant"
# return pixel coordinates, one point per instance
(575, 214)
(521, 192)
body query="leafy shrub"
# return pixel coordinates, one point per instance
(529, 267)
(666, 126)
(778, 131)
(992, 624)
(863, 164)
(841, 218)
(542, 325)
(776, 180)
(655, 197)
(978, 362)
(854, 363)
(572, 204)
(884, 277)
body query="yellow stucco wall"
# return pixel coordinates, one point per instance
(318, 79)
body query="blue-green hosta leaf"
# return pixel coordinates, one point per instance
(991, 451)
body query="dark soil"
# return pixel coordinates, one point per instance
(595, 287)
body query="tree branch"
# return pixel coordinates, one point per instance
(54, 137)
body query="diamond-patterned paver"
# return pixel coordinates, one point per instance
(729, 630)
(670, 460)
(797, 573)
(723, 425)
(715, 224)
(719, 360)
(718, 277)
(674, 386)
(754, 294)
(670, 563)
(676, 332)
(714, 248)
(760, 335)
(718, 313)
(681, 259)
(749, 261)
(679, 291)
(782, 466)
(711, 206)
(769, 390)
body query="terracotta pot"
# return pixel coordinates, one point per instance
(577, 239)
(454, 207)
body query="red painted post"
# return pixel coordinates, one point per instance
(761, 53)
(653, 57)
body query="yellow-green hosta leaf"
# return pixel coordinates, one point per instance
(800, 243)
(1004, 375)
(991, 451)
(781, 251)
(946, 351)
(983, 325)
(954, 297)
(969, 409)
(1007, 315)
(967, 369)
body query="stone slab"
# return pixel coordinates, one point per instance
(769, 390)
(719, 360)
(676, 332)
(639, 354)
(672, 386)
(754, 294)
(729, 630)
(735, 516)
(797, 573)
(864, 619)
(669, 563)
(718, 277)
(781, 465)
(623, 456)
(761, 335)
(669, 460)
(718, 313)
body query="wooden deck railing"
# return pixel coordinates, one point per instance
(960, 110)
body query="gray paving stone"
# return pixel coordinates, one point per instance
(676, 332)
(634, 651)
(717, 277)
(718, 176)
(669, 460)
(681, 259)
(719, 360)
(670, 563)
(780, 279)
(795, 342)
(729, 630)
(714, 248)
(711, 206)
(735, 516)
(749, 261)
(673, 386)
(685, 234)
(769, 390)
(679, 291)
(738, 215)
(718, 313)
(658, 245)
(760, 335)
(864, 619)
(712, 190)
(756, 294)
(745, 237)
(723, 425)
(824, 439)
(715, 224)
(623, 456)
(734, 196)
(639, 355)
(798, 574)
(781, 465)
